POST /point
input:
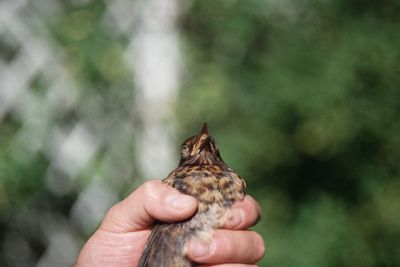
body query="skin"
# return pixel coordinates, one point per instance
(122, 235)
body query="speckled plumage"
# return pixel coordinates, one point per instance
(202, 174)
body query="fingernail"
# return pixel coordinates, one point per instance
(179, 201)
(236, 218)
(200, 250)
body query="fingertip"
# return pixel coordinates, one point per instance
(180, 202)
(228, 246)
(259, 245)
(244, 214)
(250, 202)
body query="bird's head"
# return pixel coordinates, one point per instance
(200, 149)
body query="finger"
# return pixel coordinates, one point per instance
(228, 246)
(243, 214)
(151, 201)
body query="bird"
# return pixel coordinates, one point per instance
(204, 175)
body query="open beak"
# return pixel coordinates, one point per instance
(202, 138)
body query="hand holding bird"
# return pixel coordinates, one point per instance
(121, 238)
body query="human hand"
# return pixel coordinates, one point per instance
(121, 237)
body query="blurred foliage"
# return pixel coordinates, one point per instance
(301, 96)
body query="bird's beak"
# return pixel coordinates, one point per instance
(201, 139)
(204, 130)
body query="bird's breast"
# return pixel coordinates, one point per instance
(209, 184)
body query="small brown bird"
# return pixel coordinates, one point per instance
(202, 174)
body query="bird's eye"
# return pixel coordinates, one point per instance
(185, 151)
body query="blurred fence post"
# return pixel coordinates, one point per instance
(154, 56)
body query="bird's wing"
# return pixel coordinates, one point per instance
(164, 247)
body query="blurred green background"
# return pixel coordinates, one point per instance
(302, 97)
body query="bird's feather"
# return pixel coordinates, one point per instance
(202, 174)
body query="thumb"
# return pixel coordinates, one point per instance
(151, 201)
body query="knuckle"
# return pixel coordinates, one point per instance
(150, 185)
(113, 210)
(112, 215)
(223, 247)
(150, 189)
(226, 245)
(228, 248)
